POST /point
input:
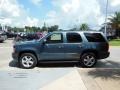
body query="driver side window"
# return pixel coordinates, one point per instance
(55, 38)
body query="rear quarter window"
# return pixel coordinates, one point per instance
(94, 37)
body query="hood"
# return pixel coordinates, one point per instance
(26, 42)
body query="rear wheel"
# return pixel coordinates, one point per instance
(27, 61)
(88, 60)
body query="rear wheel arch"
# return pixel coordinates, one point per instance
(90, 51)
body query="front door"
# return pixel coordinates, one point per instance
(53, 48)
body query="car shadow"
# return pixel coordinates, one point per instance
(13, 63)
(56, 65)
(105, 73)
(100, 64)
(105, 70)
(107, 64)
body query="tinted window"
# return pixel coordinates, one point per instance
(55, 38)
(94, 37)
(73, 38)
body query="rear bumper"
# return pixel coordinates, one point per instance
(104, 55)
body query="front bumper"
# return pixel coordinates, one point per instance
(15, 56)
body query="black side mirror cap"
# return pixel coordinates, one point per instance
(44, 41)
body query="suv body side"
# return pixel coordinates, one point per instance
(62, 50)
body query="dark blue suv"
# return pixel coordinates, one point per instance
(84, 47)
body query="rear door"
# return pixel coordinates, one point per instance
(73, 46)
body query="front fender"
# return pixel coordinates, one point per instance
(29, 50)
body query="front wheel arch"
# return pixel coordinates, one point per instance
(27, 51)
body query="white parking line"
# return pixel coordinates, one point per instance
(5, 47)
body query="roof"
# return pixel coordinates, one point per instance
(77, 31)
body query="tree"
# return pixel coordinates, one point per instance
(16, 29)
(32, 29)
(73, 29)
(35, 29)
(44, 28)
(84, 26)
(115, 23)
(53, 28)
(27, 28)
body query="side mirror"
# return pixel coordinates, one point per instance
(44, 41)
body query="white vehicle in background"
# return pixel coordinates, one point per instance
(3, 36)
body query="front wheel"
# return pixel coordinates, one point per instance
(27, 61)
(88, 60)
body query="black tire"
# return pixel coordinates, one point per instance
(30, 56)
(84, 60)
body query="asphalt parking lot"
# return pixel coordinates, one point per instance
(45, 77)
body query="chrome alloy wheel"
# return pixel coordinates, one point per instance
(89, 60)
(27, 61)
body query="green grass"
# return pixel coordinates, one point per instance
(114, 42)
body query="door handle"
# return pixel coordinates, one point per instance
(80, 46)
(60, 46)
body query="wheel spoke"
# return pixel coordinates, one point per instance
(30, 62)
(28, 65)
(26, 57)
(88, 57)
(24, 61)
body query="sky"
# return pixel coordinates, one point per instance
(65, 13)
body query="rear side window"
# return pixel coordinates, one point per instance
(73, 38)
(94, 37)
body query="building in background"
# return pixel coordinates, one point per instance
(3, 28)
(110, 32)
